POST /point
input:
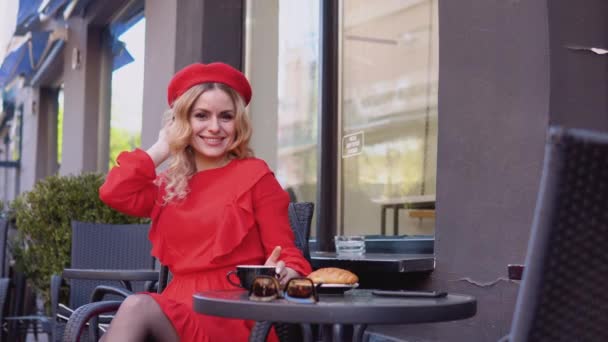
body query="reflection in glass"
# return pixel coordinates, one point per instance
(297, 98)
(60, 103)
(389, 93)
(127, 94)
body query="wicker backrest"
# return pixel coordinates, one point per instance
(107, 246)
(3, 245)
(300, 217)
(563, 295)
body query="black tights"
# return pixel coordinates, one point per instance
(140, 318)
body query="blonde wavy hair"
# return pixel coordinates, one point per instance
(181, 163)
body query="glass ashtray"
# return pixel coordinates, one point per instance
(350, 245)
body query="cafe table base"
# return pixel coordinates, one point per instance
(341, 332)
(328, 332)
(337, 313)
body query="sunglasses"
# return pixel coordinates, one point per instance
(299, 290)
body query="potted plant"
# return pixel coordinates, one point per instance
(43, 215)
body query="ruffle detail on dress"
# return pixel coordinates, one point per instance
(239, 219)
(158, 246)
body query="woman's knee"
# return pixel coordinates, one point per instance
(144, 312)
(139, 303)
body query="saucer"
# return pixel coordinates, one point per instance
(336, 288)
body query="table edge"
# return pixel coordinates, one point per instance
(381, 315)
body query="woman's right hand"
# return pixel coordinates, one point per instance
(163, 134)
(159, 152)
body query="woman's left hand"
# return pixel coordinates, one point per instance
(283, 272)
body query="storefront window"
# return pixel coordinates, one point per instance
(127, 94)
(298, 78)
(389, 117)
(11, 134)
(387, 113)
(60, 107)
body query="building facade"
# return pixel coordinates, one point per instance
(438, 108)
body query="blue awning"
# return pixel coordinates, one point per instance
(133, 17)
(80, 7)
(26, 58)
(31, 12)
(121, 55)
(27, 15)
(39, 45)
(52, 7)
(11, 65)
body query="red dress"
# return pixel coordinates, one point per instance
(232, 215)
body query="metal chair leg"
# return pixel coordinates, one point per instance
(358, 332)
(337, 332)
(306, 332)
(260, 331)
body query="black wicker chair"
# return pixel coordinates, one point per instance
(107, 246)
(300, 216)
(16, 299)
(563, 293)
(3, 245)
(4, 280)
(12, 290)
(95, 246)
(4, 287)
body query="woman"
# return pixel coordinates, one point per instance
(215, 207)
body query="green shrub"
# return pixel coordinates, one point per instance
(43, 217)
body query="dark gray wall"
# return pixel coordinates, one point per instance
(218, 25)
(223, 32)
(46, 151)
(579, 78)
(493, 112)
(506, 73)
(189, 32)
(81, 97)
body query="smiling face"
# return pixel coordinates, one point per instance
(212, 119)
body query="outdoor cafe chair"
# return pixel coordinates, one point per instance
(3, 245)
(94, 246)
(563, 293)
(15, 297)
(4, 280)
(300, 217)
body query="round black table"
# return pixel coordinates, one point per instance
(355, 307)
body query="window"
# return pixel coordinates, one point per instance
(385, 116)
(11, 131)
(60, 107)
(282, 63)
(298, 99)
(388, 117)
(127, 91)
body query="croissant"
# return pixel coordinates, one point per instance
(333, 275)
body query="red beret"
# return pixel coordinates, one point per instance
(198, 73)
